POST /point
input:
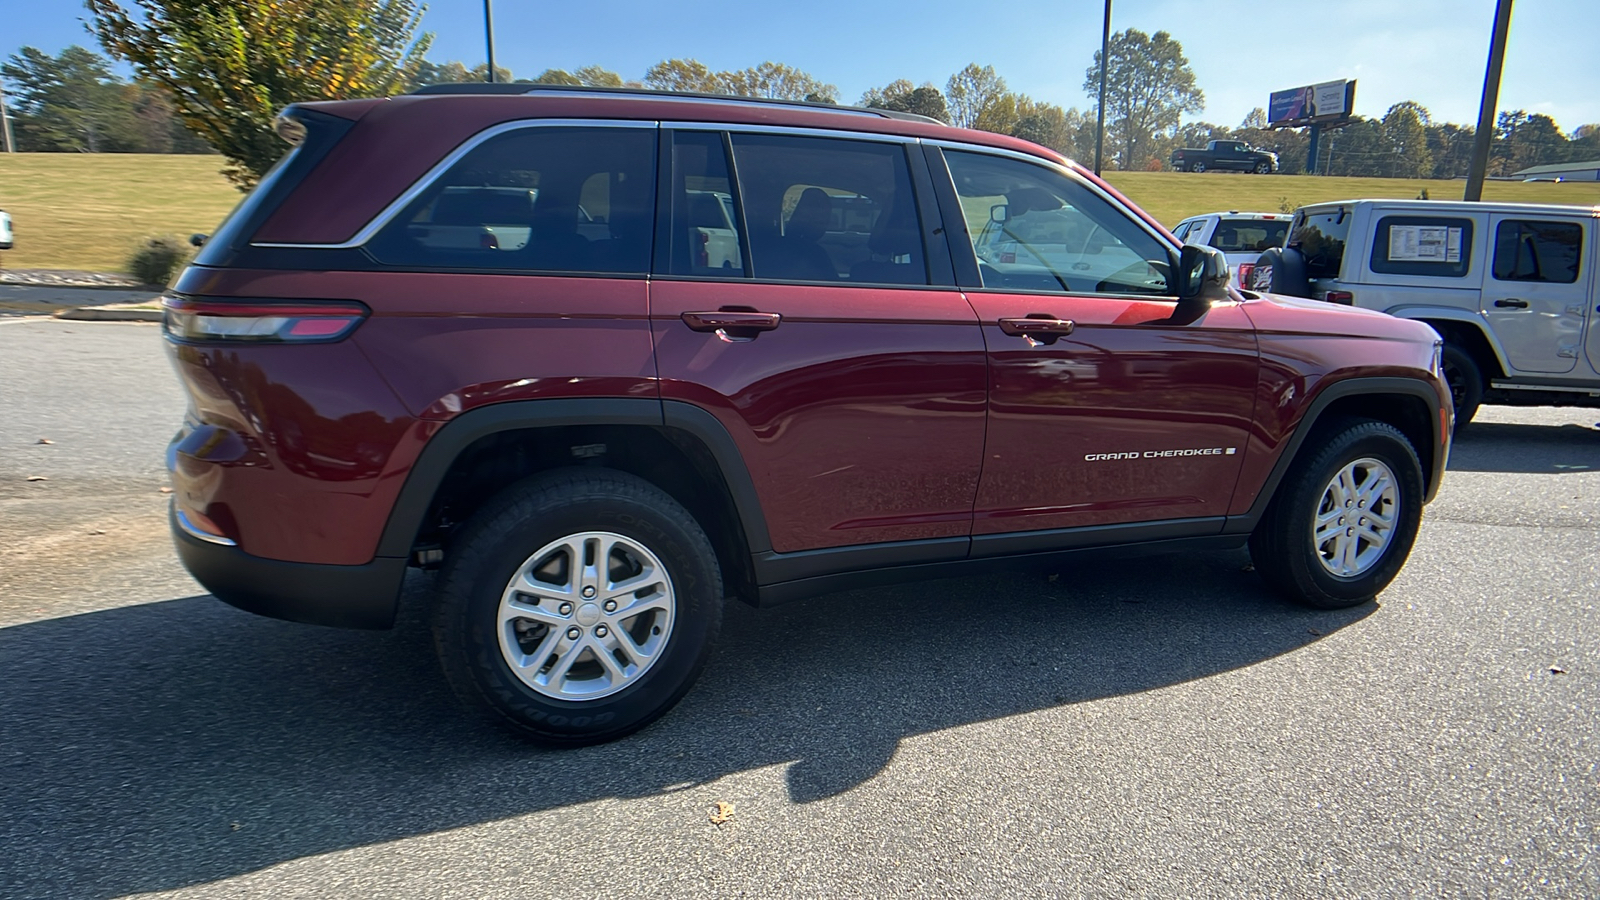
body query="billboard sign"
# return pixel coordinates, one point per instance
(1330, 101)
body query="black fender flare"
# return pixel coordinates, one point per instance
(461, 432)
(1415, 387)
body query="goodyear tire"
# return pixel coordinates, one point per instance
(1344, 518)
(578, 607)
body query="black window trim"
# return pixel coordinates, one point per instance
(1445, 218)
(1500, 219)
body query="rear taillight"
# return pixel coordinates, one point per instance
(1343, 297)
(260, 321)
(1244, 273)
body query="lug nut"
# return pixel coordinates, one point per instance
(600, 631)
(565, 609)
(611, 606)
(1341, 520)
(573, 633)
(588, 591)
(1349, 532)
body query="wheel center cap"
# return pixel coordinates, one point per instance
(588, 614)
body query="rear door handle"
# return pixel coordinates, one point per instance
(1511, 303)
(1038, 328)
(733, 326)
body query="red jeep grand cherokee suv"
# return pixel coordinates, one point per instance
(611, 357)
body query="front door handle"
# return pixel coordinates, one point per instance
(1038, 328)
(1511, 303)
(733, 326)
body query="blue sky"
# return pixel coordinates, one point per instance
(1430, 51)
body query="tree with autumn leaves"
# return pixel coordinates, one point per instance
(230, 68)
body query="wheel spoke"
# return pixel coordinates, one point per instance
(564, 660)
(516, 607)
(534, 661)
(603, 652)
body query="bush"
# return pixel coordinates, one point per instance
(158, 260)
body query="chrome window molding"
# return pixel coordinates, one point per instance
(795, 130)
(428, 178)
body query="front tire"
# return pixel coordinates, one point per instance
(1263, 168)
(1344, 518)
(578, 607)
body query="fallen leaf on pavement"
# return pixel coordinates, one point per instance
(166, 490)
(44, 441)
(1557, 670)
(722, 812)
(37, 478)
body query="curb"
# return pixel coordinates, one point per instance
(110, 314)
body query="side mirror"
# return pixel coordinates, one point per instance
(1202, 279)
(198, 240)
(1202, 274)
(998, 212)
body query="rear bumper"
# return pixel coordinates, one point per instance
(363, 596)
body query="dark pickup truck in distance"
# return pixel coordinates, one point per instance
(1225, 155)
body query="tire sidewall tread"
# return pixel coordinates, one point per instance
(500, 538)
(1281, 546)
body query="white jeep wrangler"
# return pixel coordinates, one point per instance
(1511, 287)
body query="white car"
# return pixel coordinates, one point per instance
(5, 230)
(1241, 236)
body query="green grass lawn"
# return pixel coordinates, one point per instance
(1174, 196)
(91, 210)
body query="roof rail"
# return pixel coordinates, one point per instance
(522, 87)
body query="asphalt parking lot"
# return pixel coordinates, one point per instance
(1159, 728)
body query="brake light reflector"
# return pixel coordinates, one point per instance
(260, 321)
(1344, 297)
(1244, 273)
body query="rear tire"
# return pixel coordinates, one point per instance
(1197, 167)
(1283, 271)
(1344, 518)
(1461, 372)
(578, 607)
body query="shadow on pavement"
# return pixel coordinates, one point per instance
(176, 743)
(1530, 449)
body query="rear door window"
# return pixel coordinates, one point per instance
(1034, 229)
(1528, 250)
(829, 209)
(542, 199)
(704, 239)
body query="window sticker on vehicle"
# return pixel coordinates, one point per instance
(1424, 243)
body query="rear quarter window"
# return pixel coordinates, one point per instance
(546, 199)
(1430, 246)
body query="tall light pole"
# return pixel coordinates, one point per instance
(1105, 58)
(488, 31)
(5, 123)
(1491, 99)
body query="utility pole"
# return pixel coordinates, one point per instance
(1491, 99)
(488, 30)
(1105, 58)
(5, 124)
